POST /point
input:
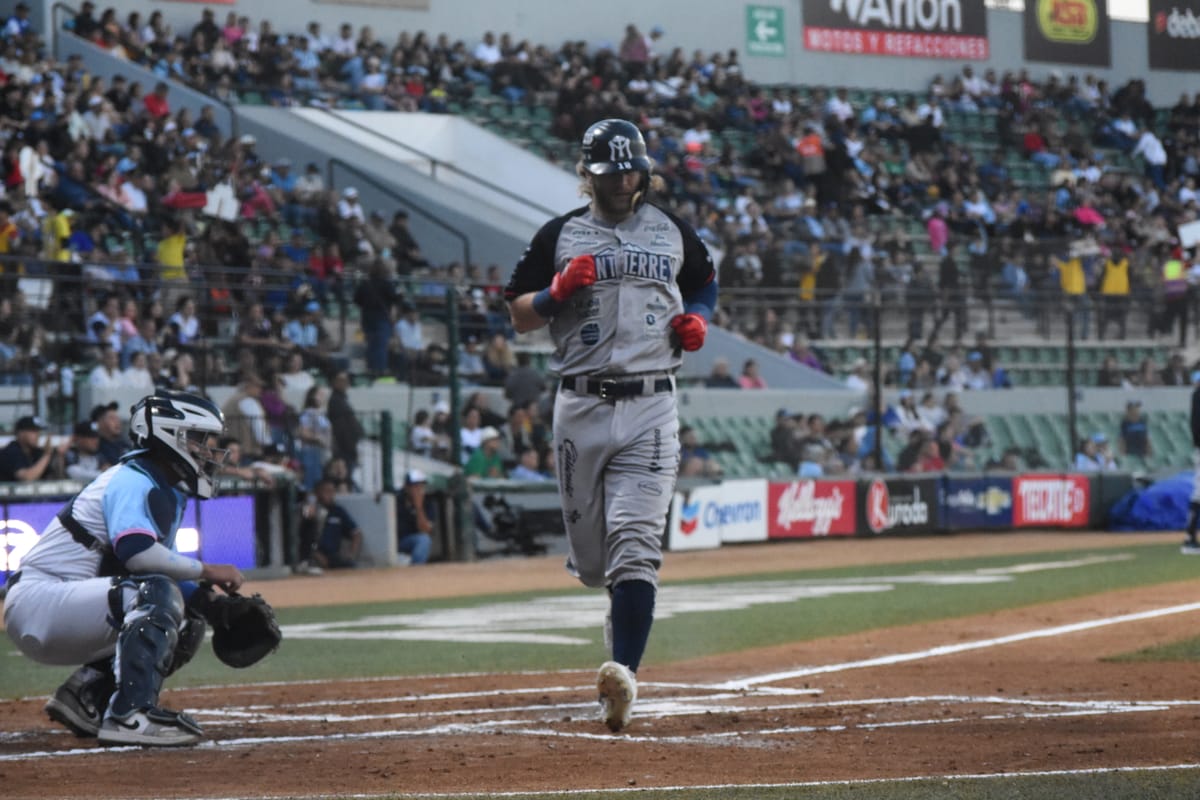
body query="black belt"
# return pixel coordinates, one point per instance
(12, 579)
(614, 389)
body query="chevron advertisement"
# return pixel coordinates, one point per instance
(1057, 501)
(977, 503)
(227, 536)
(953, 29)
(808, 509)
(705, 517)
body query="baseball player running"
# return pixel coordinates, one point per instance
(624, 286)
(104, 587)
(1191, 547)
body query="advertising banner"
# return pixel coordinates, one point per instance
(734, 511)
(804, 509)
(1067, 32)
(974, 503)
(227, 536)
(1051, 501)
(1174, 33)
(954, 29)
(900, 505)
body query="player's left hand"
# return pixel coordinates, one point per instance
(688, 331)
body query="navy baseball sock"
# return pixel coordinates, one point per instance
(1193, 518)
(632, 615)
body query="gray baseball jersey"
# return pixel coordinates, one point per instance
(618, 456)
(644, 267)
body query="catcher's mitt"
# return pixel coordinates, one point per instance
(244, 628)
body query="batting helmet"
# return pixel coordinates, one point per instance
(614, 145)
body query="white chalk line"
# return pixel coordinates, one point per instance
(665, 710)
(744, 684)
(961, 647)
(716, 787)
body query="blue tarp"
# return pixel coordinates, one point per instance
(1161, 506)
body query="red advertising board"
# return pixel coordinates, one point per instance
(906, 45)
(1056, 501)
(805, 509)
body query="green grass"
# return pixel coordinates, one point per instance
(720, 629)
(1187, 650)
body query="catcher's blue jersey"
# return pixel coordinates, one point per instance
(132, 497)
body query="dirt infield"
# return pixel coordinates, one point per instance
(1002, 692)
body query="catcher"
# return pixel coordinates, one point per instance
(104, 586)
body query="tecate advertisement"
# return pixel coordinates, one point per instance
(227, 536)
(954, 29)
(705, 517)
(1054, 501)
(901, 505)
(804, 509)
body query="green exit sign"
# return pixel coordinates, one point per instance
(764, 31)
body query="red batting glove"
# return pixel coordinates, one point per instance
(689, 331)
(580, 272)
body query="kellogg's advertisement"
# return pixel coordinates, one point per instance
(810, 508)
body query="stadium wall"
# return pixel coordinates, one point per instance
(722, 26)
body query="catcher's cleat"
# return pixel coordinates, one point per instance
(618, 691)
(151, 727)
(1190, 547)
(79, 703)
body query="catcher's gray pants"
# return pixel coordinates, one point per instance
(62, 622)
(617, 464)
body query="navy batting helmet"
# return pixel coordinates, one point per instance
(614, 145)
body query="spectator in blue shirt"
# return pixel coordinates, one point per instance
(527, 467)
(1135, 432)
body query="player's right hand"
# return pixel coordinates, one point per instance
(227, 576)
(579, 272)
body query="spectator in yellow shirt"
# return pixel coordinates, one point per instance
(170, 254)
(1073, 281)
(56, 230)
(1114, 293)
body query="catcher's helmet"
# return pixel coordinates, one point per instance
(174, 427)
(614, 145)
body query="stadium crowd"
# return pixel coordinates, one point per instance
(202, 260)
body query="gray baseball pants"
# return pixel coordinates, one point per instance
(617, 465)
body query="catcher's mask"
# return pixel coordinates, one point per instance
(175, 427)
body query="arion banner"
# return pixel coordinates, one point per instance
(954, 29)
